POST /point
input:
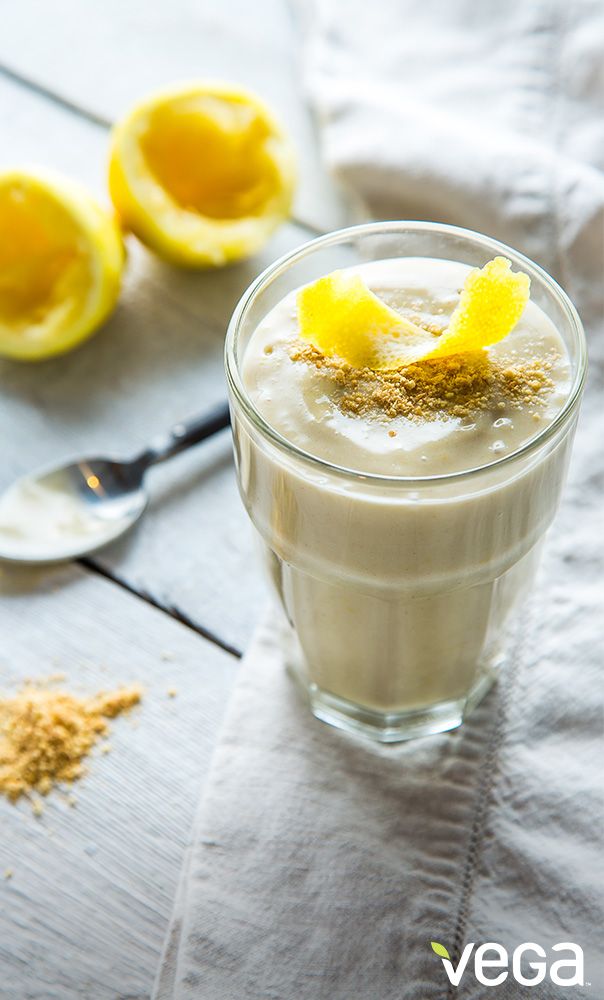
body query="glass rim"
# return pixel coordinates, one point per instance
(281, 265)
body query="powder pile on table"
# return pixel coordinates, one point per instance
(46, 734)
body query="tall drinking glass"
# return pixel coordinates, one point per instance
(401, 592)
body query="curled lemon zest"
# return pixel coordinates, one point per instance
(492, 301)
(342, 317)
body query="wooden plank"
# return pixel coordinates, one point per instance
(159, 359)
(84, 915)
(105, 56)
(85, 912)
(195, 552)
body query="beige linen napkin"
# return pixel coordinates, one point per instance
(321, 867)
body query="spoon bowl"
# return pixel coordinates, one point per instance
(64, 512)
(71, 510)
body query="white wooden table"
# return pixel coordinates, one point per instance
(173, 604)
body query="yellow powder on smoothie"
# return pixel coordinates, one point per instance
(458, 385)
(45, 735)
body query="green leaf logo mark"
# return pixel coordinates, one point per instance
(439, 949)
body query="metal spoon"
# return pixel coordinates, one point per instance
(67, 511)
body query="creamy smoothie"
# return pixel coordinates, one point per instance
(400, 590)
(303, 401)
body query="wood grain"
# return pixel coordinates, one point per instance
(84, 915)
(85, 912)
(104, 56)
(158, 359)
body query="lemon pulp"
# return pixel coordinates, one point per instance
(227, 140)
(43, 267)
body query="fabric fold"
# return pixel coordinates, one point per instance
(321, 865)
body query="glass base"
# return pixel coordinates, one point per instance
(392, 727)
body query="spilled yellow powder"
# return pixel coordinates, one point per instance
(45, 735)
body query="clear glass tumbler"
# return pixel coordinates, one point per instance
(400, 591)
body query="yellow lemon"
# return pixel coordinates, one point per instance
(343, 318)
(61, 260)
(202, 173)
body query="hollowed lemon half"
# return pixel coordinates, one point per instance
(61, 259)
(202, 173)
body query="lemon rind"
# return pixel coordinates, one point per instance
(107, 255)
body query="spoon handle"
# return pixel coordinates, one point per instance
(185, 434)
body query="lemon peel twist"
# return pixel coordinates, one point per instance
(341, 317)
(492, 301)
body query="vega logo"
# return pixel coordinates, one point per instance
(566, 971)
